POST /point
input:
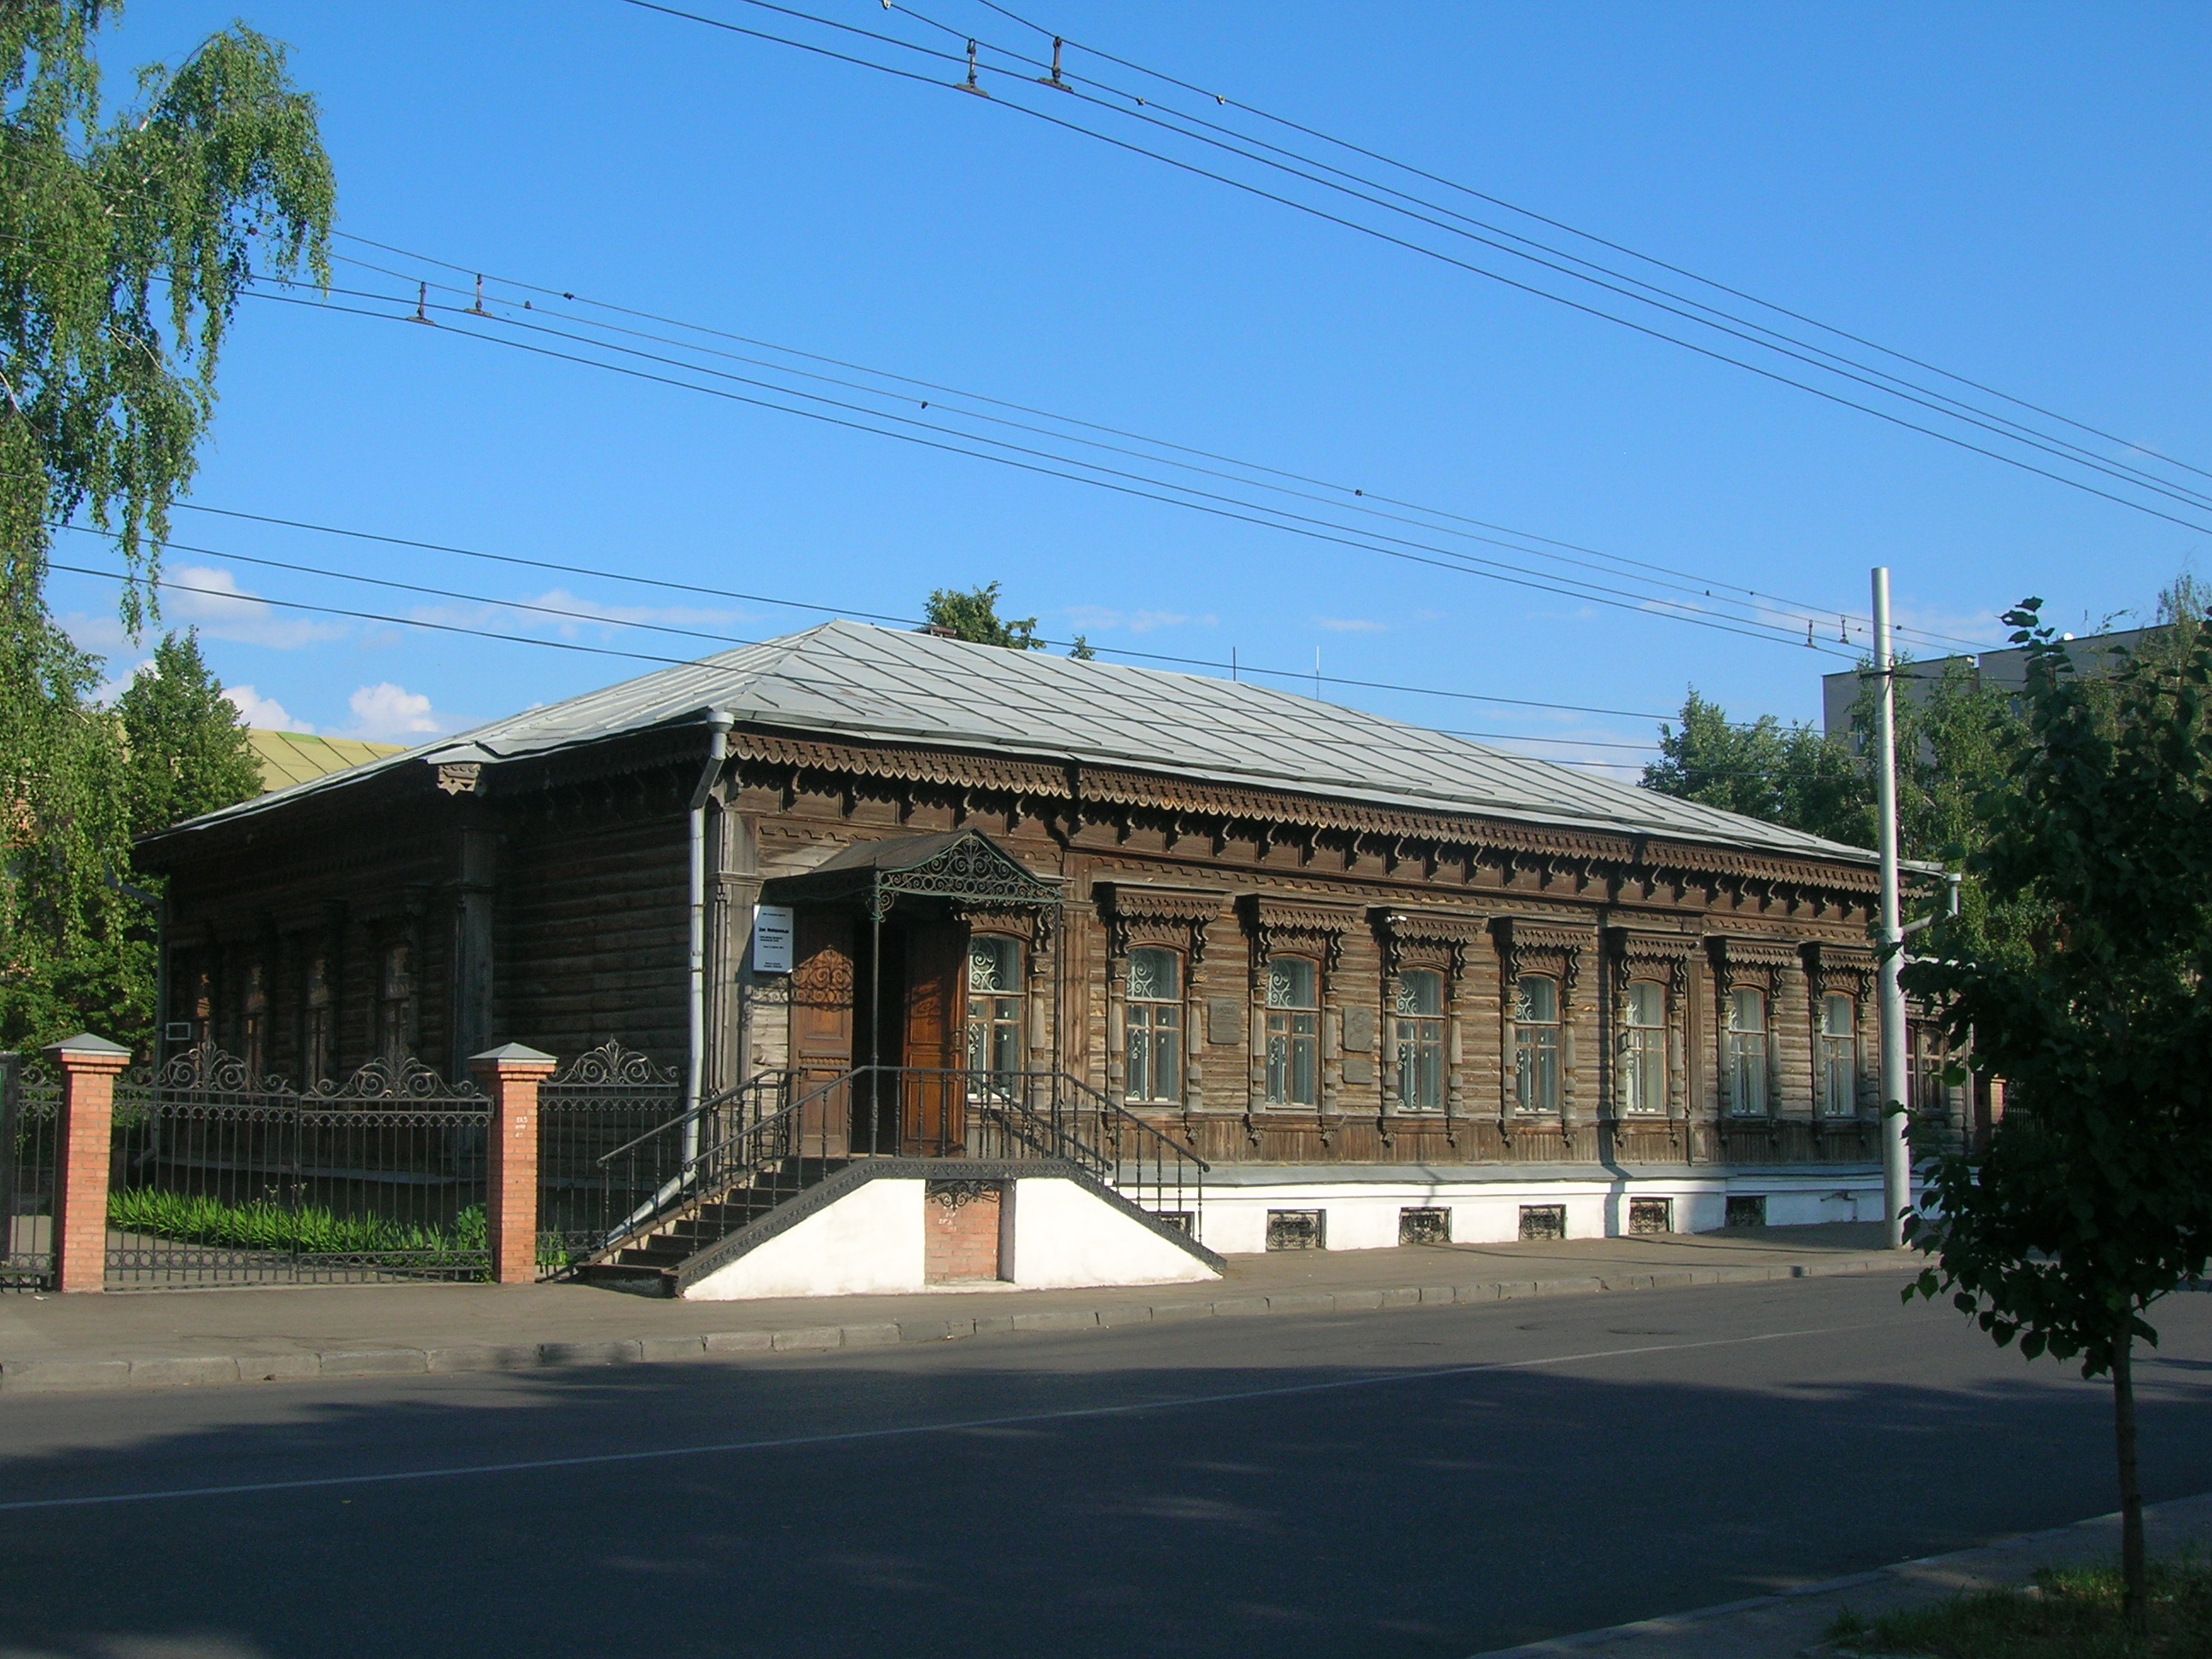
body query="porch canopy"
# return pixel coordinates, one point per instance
(964, 866)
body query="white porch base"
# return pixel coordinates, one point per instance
(869, 1242)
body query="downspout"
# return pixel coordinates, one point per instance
(695, 1070)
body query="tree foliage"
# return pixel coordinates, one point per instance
(126, 240)
(2094, 1196)
(124, 246)
(186, 745)
(973, 615)
(1783, 775)
(74, 948)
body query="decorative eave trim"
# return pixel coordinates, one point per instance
(1455, 927)
(1154, 902)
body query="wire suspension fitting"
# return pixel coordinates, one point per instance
(422, 302)
(970, 85)
(1053, 79)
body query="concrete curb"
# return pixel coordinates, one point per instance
(1927, 1579)
(67, 1376)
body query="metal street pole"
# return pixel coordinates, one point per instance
(1896, 1157)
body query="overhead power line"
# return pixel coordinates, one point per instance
(1323, 741)
(701, 590)
(1796, 615)
(1790, 349)
(911, 430)
(1597, 240)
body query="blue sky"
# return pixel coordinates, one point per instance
(2012, 192)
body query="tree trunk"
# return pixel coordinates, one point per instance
(2137, 1604)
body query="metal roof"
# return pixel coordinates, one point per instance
(848, 679)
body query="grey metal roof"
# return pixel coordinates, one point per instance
(849, 679)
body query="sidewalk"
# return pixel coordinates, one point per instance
(165, 1338)
(1795, 1623)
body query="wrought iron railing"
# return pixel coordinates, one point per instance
(224, 1178)
(776, 1134)
(602, 1101)
(30, 1105)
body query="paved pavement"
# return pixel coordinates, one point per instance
(165, 1338)
(1796, 1622)
(1436, 1480)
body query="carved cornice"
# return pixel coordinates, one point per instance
(1662, 956)
(1523, 944)
(1276, 923)
(1736, 956)
(1138, 912)
(1408, 934)
(955, 768)
(1830, 968)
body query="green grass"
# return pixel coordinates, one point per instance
(2067, 1615)
(309, 1229)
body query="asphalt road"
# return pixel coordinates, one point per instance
(1426, 1481)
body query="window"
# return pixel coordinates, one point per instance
(1293, 1033)
(1536, 1045)
(1924, 1061)
(395, 1006)
(1419, 1013)
(1153, 1013)
(254, 1036)
(994, 1004)
(1839, 1057)
(1643, 1049)
(315, 1035)
(1746, 1053)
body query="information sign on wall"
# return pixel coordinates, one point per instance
(771, 938)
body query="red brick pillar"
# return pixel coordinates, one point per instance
(83, 1142)
(510, 1075)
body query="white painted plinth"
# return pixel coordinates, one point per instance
(869, 1243)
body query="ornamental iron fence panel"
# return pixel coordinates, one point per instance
(600, 1102)
(30, 1108)
(219, 1177)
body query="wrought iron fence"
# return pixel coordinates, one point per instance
(30, 1107)
(771, 1136)
(599, 1103)
(223, 1178)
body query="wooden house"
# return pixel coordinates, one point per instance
(1388, 983)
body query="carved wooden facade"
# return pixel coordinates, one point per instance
(1435, 962)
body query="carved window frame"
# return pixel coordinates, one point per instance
(1287, 927)
(1633, 958)
(1530, 949)
(1830, 972)
(1414, 940)
(1167, 918)
(1760, 966)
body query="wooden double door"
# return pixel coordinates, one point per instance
(907, 1013)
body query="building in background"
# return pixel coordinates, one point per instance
(288, 757)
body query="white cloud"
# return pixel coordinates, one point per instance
(264, 713)
(1351, 625)
(587, 614)
(1093, 618)
(209, 599)
(385, 712)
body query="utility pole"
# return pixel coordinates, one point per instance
(1896, 1157)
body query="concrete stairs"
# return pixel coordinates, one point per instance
(647, 1264)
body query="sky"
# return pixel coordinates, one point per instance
(2013, 193)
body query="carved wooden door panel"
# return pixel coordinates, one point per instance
(932, 1095)
(822, 994)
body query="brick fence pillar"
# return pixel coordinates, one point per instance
(84, 1135)
(510, 1075)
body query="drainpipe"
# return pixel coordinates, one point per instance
(695, 1071)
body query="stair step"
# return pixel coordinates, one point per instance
(637, 1280)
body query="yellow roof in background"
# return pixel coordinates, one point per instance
(290, 758)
